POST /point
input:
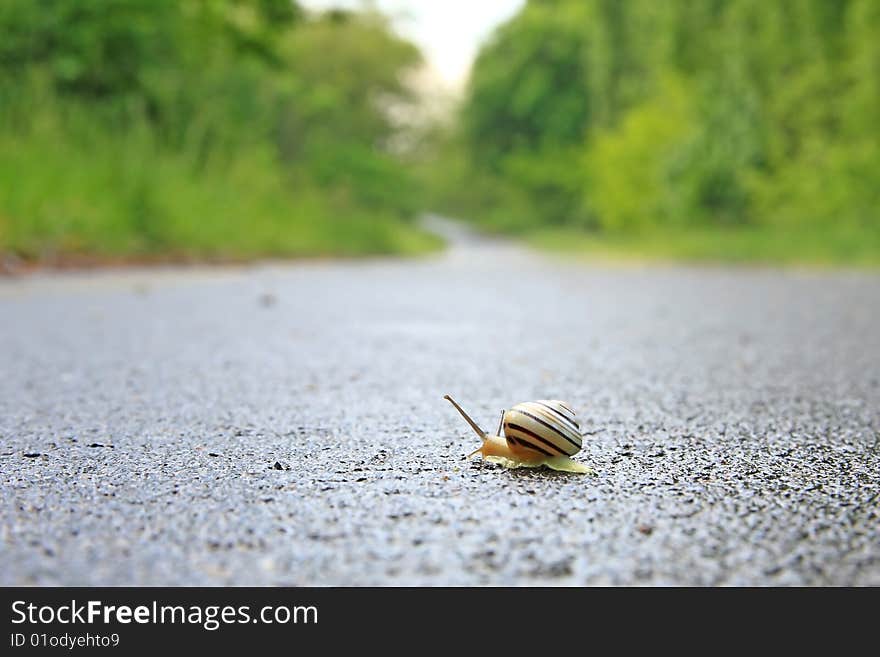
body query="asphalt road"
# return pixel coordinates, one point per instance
(285, 424)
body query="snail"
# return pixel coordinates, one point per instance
(542, 432)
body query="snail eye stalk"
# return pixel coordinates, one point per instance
(474, 426)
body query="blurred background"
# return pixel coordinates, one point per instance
(153, 130)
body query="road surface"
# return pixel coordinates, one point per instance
(284, 424)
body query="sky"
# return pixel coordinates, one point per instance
(449, 32)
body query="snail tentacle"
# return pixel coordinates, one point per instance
(474, 426)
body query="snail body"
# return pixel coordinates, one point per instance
(535, 433)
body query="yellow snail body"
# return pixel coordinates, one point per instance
(542, 432)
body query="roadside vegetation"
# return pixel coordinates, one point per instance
(734, 130)
(221, 129)
(721, 130)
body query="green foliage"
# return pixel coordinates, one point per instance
(97, 193)
(822, 246)
(636, 119)
(529, 86)
(210, 127)
(631, 166)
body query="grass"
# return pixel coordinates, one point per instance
(97, 197)
(745, 245)
(117, 198)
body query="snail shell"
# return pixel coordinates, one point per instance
(546, 426)
(542, 432)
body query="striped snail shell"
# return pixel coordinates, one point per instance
(546, 426)
(542, 432)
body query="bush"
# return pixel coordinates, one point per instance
(221, 128)
(732, 118)
(632, 165)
